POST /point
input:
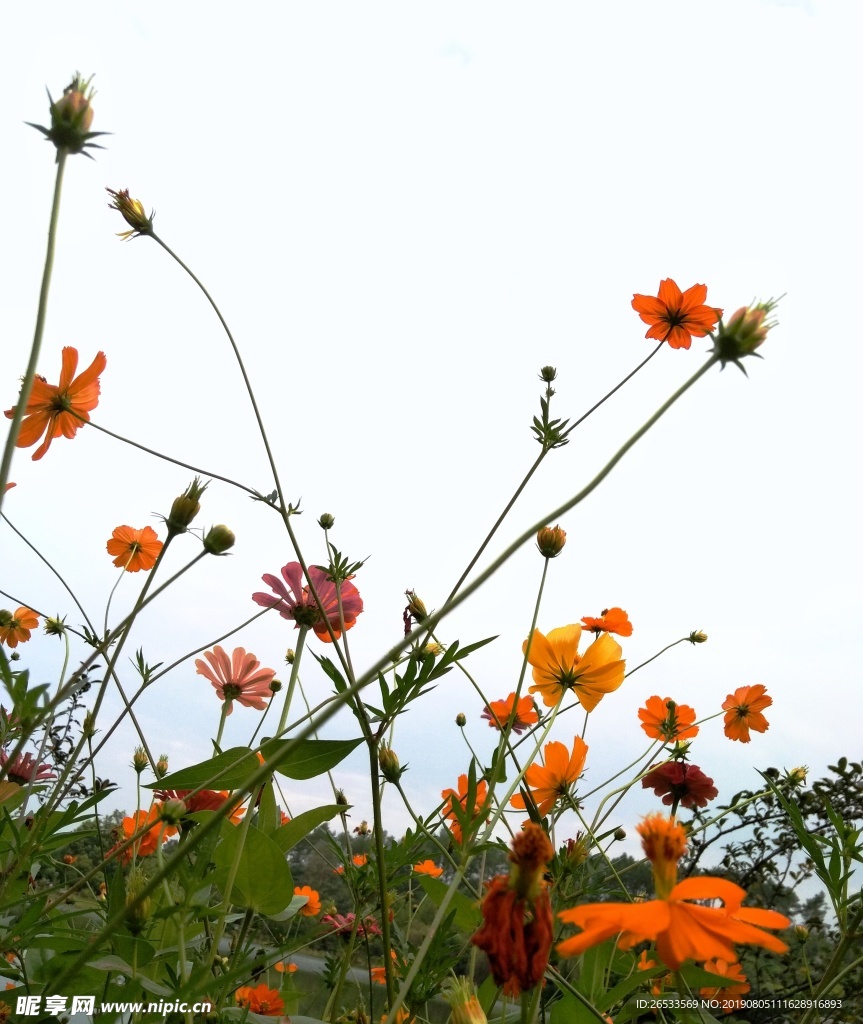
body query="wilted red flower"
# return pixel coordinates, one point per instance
(452, 797)
(664, 720)
(498, 712)
(263, 1000)
(681, 929)
(15, 629)
(517, 924)
(58, 409)
(239, 677)
(675, 316)
(296, 601)
(680, 784)
(743, 712)
(611, 620)
(550, 782)
(24, 769)
(134, 549)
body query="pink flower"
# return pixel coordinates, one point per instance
(296, 602)
(24, 769)
(343, 924)
(685, 784)
(239, 677)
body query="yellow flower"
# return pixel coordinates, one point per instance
(558, 667)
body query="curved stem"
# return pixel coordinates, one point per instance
(41, 312)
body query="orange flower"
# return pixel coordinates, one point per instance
(15, 629)
(428, 867)
(204, 800)
(146, 844)
(728, 995)
(517, 924)
(743, 712)
(135, 549)
(682, 930)
(312, 906)
(558, 667)
(358, 860)
(53, 410)
(497, 713)
(612, 620)
(379, 974)
(266, 1001)
(286, 968)
(664, 720)
(238, 678)
(676, 317)
(452, 797)
(551, 782)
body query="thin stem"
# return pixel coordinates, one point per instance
(41, 312)
(292, 682)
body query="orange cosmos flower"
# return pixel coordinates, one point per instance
(743, 712)
(664, 720)
(313, 905)
(452, 797)
(517, 924)
(266, 1001)
(58, 409)
(286, 968)
(728, 995)
(676, 317)
(238, 678)
(428, 867)
(612, 620)
(15, 629)
(558, 667)
(551, 782)
(146, 844)
(134, 549)
(497, 713)
(682, 930)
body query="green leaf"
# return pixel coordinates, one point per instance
(287, 836)
(468, 916)
(306, 759)
(263, 881)
(229, 770)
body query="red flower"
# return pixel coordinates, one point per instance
(517, 927)
(297, 602)
(58, 409)
(681, 784)
(743, 712)
(674, 316)
(204, 800)
(612, 620)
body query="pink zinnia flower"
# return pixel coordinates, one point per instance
(296, 602)
(239, 677)
(24, 769)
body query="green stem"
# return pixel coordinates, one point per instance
(30, 372)
(292, 682)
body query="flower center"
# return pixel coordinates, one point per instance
(231, 691)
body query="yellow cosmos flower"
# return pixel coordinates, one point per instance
(558, 667)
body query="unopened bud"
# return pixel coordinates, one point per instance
(137, 911)
(88, 729)
(389, 762)
(71, 118)
(173, 811)
(275, 686)
(797, 776)
(139, 760)
(697, 637)
(341, 799)
(290, 655)
(461, 720)
(185, 508)
(745, 331)
(134, 214)
(55, 626)
(620, 834)
(801, 932)
(161, 766)
(548, 374)
(326, 521)
(218, 540)
(550, 541)
(462, 998)
(575, 851)
(416, 606)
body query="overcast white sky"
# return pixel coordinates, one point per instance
(405, 211)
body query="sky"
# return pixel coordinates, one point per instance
(404, 211)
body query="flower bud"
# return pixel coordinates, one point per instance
(548, 374)
(745, 331)
(389, 762)
(290, 655)
(797, 776)
(461, 720)
(620, 834)
(575, 851)
(461, 996)
(185, 508)
(139, 760)
(550, 541)
(71, 118)
(173, 811)
(161, 766)
(137, 911)
(69, 858)
(88, 729)
(416, 606)
(341, 799)
(326, 521)
(218, 540)
(801, 932)
(697, 637)
(275, 686)
(55, 626)
(134, 215)
(434, 649)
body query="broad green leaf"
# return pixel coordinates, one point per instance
(263, 881)
(228, 770)
(287, 837)
(468, 916)
(306, 759)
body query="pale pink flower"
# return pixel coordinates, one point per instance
(239, 677)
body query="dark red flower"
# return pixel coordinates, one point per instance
(682, 784)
